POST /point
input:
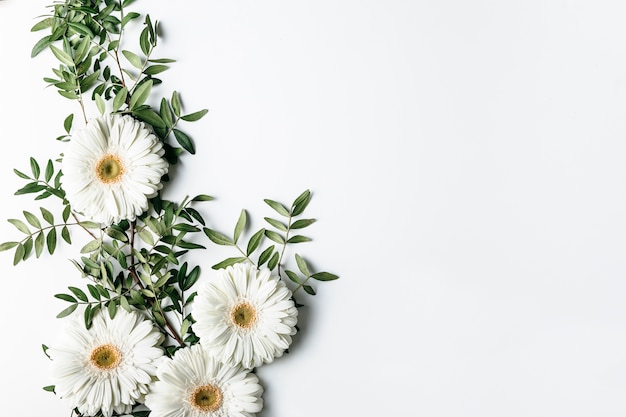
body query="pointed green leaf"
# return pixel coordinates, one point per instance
(324, 276)
(279, 208)
(184, 141)
(51, 239)
(240, 226)
(298, 239)
(32, 219)
(78, 293)
(20, 225)
(301, 202)
(62, 56)
(302, 265)
(7, 245)
(275, 237)
(67, 311)
(277, 224)
(218, 238)
(192, 117)
(141, 94)
(133, 58)
(302, 223)
(100, 104)
(120, 99)
(255, 241)
(40, 242)
(228, 262)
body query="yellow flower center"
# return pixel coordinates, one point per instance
(243, 315)
(105, 357)
(110, 169)
(206, 398)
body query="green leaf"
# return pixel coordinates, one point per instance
(67, 123)
(133, 58)
(92, 246)
(271, 264)
(66, 297)
(67, 311)
(279, 208)
(155, 69)
(62, 56)
(21, 174)
(65, 234)
(7, 245)
(32, 219)
(277, 224)
(120, 99)
(112, 308)
(81, 28)
(20, 225)
(275, 237)
(302, 265)
(51, 239)
(49, 171)
(34, 167)
(100, 104)
(19, 254)
(40, 242)
(41, 45)
(228, 262)
(255, 241)
(141, 94)
(202, 197)
(309, 289)
(218, 238)
(240, 226)
(302, 223)
(166, 113)
(176, 103)
(192, 117)
(184, 141)
(301, 202)
(150, 116)
(42, 24)
(324, 276)
(298, 239)
(293, 276)
(89, 225)
(47, 216)
(191, 279)
(265, 255)
(78, 293)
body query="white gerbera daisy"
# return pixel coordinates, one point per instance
(194, 384)
(107, 367)
(112, 167)
(245, 316)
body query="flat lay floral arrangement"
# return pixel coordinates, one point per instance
(149, 333)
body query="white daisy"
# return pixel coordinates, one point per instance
(107, 367)
(112, 167)
(245, 316)
(194, 384)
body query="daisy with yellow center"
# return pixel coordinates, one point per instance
(194, 384)
(245, 316)
(112, 167)
(109, 367)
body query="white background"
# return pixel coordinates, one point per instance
(466, 160)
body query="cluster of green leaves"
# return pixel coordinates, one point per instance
(147, 275)
(40, 231)
(268, 246)
(87, 39)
